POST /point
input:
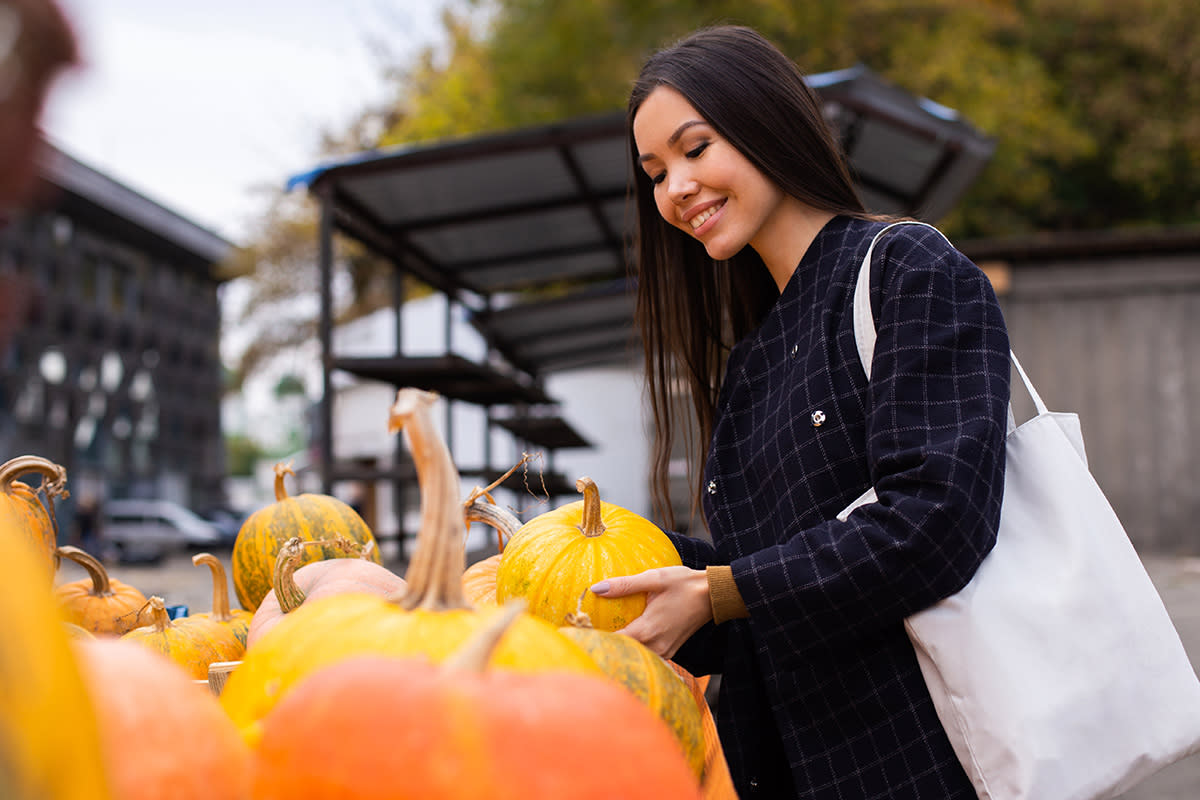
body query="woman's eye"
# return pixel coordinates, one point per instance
(658, 178)
(697, 150)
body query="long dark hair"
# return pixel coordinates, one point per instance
(691, 309)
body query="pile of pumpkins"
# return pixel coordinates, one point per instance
(339, 678)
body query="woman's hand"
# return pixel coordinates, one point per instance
(677, 605)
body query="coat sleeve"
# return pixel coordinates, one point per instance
(936, 416)
(704, 651)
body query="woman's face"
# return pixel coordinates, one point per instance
(703, 185)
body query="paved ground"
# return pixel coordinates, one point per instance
(1178, 581)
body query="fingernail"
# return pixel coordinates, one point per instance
(600, 588)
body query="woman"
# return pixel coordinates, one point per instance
(751, 232)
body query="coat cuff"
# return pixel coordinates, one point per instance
(727, 602)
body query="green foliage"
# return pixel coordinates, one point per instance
(1091, 103)
(241, 454)
(1089, 100)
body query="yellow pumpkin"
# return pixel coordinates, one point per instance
(236, 619)
(557, 555)
(22, 513)
(309, 517)
(432, 619)
(98, 603)
(50, 745)
(192, 645)
(651, 679)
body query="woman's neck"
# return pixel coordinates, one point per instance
(784, 240)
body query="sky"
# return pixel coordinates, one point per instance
(194, 105)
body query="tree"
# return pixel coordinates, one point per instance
(1090, 102)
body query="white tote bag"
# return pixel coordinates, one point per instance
(1056, 671)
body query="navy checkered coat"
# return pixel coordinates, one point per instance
(821, 695)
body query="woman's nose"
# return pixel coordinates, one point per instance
(680, 187)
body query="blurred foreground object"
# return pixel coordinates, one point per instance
(36, 44)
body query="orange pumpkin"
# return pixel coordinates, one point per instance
(432, 619)
(644, 673)
(462, 732)
(98, 603)
(49, 737)
(163, 736)
(309, 517)
(557, 555)
(236, 619)
(22, 513)
(294, 587)
(193, 646)
(479, 579)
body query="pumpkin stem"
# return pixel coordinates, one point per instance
(592, 524)
(100, 583)
(283, 581)
(220, 602)
(159, 617)
(475, 654)
(580, 618)
(281, 470)
(434, 576)
(482, 508)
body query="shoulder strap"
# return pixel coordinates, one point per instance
(864, 320)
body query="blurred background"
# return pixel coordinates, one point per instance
(180, 320)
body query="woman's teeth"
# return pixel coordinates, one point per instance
(703, 216)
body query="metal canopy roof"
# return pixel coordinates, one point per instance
(481, 217)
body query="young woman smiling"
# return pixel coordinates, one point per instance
(750, 238)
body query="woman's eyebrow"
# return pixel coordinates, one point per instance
(673, 138)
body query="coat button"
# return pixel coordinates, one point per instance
(795, 350)
(818, 418)
(712, 487)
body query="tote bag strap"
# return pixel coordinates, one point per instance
(864, 324)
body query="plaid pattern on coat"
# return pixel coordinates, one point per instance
(821, 693)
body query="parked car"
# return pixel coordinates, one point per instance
(227, 520)
(148, 530)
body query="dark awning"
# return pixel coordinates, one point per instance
(546, 205)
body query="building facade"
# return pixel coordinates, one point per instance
(111, 366)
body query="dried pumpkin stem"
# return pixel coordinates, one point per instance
(592, 524)
(579, 618)
(484, 509)
(475, 654)
(291, 554)
(101, 587)
(159, 617)
(220, 594)
(281, 470)
(434, 577)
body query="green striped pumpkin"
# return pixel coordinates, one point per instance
(308, 517)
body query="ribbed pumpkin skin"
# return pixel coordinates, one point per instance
(462, 736)
(49, 737)
(22, 513)
(718, 783)
(323, 632)
(550, 563)
(479, 581)
(651, 679)
(164, 737)
(99, 603)
(310, 517)
(193, 646)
